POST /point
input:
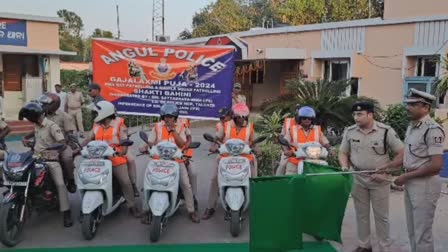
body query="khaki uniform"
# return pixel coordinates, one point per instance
(238, 99)
(3, 126)
(214, 187)
(423, 140)
(185, 182)
(47, 134)
(368, 151)
(65, 122)
(74, 104)
(121, 172)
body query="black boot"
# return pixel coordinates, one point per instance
(68, 222)
(71, 186)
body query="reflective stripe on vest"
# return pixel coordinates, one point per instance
(299, 138)
(111, 135)
(289, 123)
(162, 133)
(244, 134)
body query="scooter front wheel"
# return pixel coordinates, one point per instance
(156, 228)
(90, 224)
(235, 223)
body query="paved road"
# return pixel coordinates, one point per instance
(120, 229)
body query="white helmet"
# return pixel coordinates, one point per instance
(104, 110)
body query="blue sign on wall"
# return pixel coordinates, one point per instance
(13, 32)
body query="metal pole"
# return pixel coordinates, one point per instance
(118, 22)
(163, 17)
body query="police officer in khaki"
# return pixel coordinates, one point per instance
(366, 146)
(50, 103)
(46, 134)
(423, 159)
(4, 131)
(75, 100)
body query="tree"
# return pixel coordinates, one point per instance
(441, 84)
(224, 16)
(70, 35)
(299, 12)
(97, 33)
(185, 34)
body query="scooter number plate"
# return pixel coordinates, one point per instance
(12, 183)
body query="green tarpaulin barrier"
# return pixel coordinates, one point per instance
(275, 223)
(325, 200)
(283, 208)
(228, 247)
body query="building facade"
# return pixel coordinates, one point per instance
(384, 56)
(29, 59)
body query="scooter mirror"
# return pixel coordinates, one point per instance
(259, 140)
(209, 137)
(194, 145)
(126, 143)
(283, 141)
(143, 136)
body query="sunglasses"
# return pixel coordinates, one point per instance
(306, 118)
(237, 88)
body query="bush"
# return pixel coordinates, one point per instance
(396, 117)
(80, 78)
(269, 159)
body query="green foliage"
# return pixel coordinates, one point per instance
(299, 12)
(270, 126)
(441, 84)
(225, 16)
(396, 117)
(269, 159)
(327, 98)
(80, 78)
(70, 38)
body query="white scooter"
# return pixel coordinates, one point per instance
(100, 191)
(312, 152)
(161, 183)
(233, 179)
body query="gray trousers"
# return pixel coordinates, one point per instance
(421, 196)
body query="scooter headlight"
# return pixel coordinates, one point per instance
(166, 152)
(313, 152)
(96, 151)
(235, 148)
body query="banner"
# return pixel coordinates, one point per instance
(13, 32)
(140, 77)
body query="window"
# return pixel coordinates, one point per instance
(257, 77)
(354, 87)
(335, 70)
(427, 66)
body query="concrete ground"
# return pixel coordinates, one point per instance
(46, 230)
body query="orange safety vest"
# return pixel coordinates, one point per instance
(112, 136)
(289, 123)
(244, 134)
(162, 134)
(298, 138)
(187, 124)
